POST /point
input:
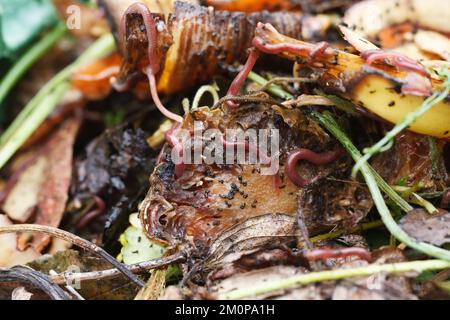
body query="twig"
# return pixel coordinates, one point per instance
(36, 278)
(75, 240)
(302, 279)
(111, 273)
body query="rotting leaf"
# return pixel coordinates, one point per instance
(53, 193)
(433, 229)
(411, 159)
(39, 188)
(115, 168)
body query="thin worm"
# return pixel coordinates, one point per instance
(324, 254)
(90, 216)
(396, 59)
(157, 101)
(154, 62)
(310, 156)
(238, 82)
(319, 49)
(150, 28)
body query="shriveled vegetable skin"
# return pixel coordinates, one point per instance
(204, 39)
(376, 88)
(195, 43)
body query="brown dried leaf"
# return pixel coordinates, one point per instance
(433, 229)
(43, 184)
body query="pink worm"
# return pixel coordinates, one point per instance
(251, 148)
(238, 82)
(396, 59)
(86, 219)
(323, 254)
(259, 45)
(310, 156)
(154, 61)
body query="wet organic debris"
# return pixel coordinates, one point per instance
(115, 169)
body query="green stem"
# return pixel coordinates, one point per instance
(308, 278)
(32, 122)
(273, 89)
(13, 138)
(330, 124)
(29, 58)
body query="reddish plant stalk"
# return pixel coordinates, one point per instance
(310, 156)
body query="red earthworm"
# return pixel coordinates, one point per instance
(154, 62)
(310, 156)
(395, 59)
(157, 101)
(238, 82)
(259, 45)
(150, 28)
(325, 253)
(87, 218)
(416, 85)
(251, 148)
(318, 50)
